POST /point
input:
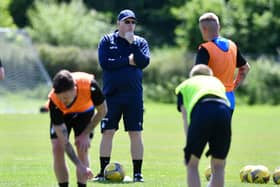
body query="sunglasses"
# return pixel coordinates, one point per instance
(129, 22)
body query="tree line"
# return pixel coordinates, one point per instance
(253, 24)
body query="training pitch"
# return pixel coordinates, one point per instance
(26, 160)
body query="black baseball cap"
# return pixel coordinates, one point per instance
(126, 13)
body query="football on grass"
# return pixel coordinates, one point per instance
(276, 176)
(114, 172)
(244, 172)
(207, 173)
(259, 174)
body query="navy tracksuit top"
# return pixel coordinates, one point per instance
(120, 78)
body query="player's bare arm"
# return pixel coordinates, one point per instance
(62, 135)
(83, 140)
(100, 113)
(184, 115)
(242, 72)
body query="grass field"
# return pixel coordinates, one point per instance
(10, 104)
(25, 157)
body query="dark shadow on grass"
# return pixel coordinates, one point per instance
(112, 182)
(127, 180)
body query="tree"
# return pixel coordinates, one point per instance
(156, 23)
(67, 24)
(255, 24)
(6, 19)
(188, 34)
(246, 22)
(18, 10)
(153, 15)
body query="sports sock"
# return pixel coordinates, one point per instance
(137, 166)
(81, 184)
(103, 163)
(63, 184)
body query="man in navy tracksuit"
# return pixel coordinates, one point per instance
(123, 56)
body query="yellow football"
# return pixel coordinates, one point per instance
(259, 174)
(114, 172)
(244, 173)
(208, 173)
(276, 176)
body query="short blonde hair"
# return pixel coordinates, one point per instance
(209, 16)
(201, 69)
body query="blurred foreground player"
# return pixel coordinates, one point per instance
(207, 119)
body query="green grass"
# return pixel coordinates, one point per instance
(10, 104)
(26, 160)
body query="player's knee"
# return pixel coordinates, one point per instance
(193, 162)
(135, 135)
(108, 134)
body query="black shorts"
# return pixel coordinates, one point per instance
(131, 109)
(210, 122)
(76, 121)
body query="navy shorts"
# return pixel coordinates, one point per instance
(210, 123)
(130, 110)
(76, 121)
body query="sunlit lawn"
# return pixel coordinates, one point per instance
(25, 157)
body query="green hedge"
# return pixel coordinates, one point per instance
(71, 58)
(169, 67)
(262, 85)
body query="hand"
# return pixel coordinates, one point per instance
(85, 171)
(131, 60)
(82, 142)
(129, 36)
(88, 173)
